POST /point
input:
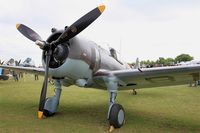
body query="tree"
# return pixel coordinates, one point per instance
(147, 63)
(169, 62)
(183, 57)
(161, 61)
(165, 62)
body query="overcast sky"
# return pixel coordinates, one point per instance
(147, 29)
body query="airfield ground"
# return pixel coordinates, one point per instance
(154, 110)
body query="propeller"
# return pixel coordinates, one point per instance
(1, 63)
(17, 63)
(28, 32)
(54, 48)
(44, 87)
(80, 24)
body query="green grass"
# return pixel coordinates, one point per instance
(153, 110)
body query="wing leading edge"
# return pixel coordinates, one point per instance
(33, 70)
(151, 77)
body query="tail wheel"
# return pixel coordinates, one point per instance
(134, 92)
(117, 116)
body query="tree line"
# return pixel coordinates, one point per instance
(167, 61)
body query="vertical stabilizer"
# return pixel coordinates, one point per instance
(137, 64)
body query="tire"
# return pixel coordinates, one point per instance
(134, 92)
(117, 116)
(48, 113)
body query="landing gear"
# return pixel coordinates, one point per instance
(134, 92)
(48, 113)
(116, 114)
(52, 103)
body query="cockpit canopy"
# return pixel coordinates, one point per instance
(113, 53)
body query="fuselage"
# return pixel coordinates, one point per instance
(84, 60)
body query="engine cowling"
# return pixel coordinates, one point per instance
(59, 52)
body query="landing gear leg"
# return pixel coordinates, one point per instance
(52, 103)
(134, 92)
(116, 114)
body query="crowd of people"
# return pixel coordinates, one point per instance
(20, 75)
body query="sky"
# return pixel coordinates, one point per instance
(147, 29)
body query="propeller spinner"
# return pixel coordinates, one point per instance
(54, 48)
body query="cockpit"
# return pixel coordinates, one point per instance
(113, 53)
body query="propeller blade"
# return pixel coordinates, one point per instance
(19, 62)
(1, 63)
(44, 87)
(28, 32)
(80, 24)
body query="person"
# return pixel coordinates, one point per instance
(20, 75)
(15, 76)
(36, 77)
(198, 82)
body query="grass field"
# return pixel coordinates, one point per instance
(153, 110)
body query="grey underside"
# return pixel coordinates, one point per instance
(134, 79)
(156, 77)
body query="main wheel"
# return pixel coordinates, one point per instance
(47, 112)
(117, 116)
(134, 92)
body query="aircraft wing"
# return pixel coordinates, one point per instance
(151, 77)
(33, 70)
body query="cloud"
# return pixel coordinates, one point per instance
(146, 29)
